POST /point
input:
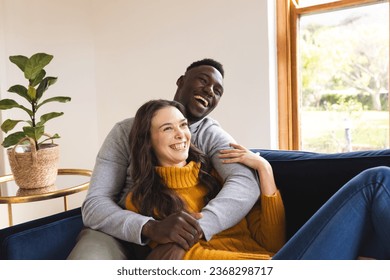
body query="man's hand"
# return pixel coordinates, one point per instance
(169, 251)
(180, 228)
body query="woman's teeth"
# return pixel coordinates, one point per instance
(179, 147)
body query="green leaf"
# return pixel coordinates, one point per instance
(9, 125)
(38, 79)
(62, 99)
(34, 132)
(13, 139)
(32, 92)
(44, 85)
(35, 64)
(6, 104)
(20, 90)
(49, 116)
(29, 112)
(19, 60)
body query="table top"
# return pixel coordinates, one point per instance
(68, 181)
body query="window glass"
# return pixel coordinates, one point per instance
(343, 79)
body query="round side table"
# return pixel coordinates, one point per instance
(69, 181)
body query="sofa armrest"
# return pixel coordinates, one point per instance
(48, 238)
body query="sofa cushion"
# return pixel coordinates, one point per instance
(306, 180)
(47, 238)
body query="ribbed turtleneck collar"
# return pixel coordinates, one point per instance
(180, 177)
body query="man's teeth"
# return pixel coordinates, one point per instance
(179, 147)
(204, 101)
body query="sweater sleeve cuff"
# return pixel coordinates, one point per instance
(206, 227)
(140, 239)
(273, 208)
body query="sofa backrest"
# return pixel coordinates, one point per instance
(306, 180)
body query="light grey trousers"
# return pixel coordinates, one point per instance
(96, 245)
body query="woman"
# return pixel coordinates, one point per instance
(172, 175)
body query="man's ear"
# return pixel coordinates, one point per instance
(179, 81)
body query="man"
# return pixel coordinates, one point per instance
(110, 227)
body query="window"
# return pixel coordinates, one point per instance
(306, 3)
(333, 66)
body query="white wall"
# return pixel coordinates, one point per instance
(142, 47)
(63, 29)
(112, 56)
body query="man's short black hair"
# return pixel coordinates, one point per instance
(209, 62)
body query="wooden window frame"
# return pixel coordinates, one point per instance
(287, 16)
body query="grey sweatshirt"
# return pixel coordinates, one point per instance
(103, 208)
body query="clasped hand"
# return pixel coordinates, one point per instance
(180, 228)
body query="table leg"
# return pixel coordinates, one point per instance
(10, 222)
(65, 203)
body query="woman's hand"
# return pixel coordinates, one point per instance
(240, 154)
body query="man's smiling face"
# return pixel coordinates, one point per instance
(199, 90)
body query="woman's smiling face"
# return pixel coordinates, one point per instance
(170, 137)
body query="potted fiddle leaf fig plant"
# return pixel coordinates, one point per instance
(32, 159)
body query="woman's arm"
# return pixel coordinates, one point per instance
(266, 220)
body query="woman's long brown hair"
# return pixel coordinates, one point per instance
(149, 193)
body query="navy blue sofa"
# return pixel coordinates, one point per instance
(306, 180)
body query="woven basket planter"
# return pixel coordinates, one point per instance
(34, 169)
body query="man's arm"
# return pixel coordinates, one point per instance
(109, 181)
(240, 190)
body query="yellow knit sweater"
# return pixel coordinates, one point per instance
(258, 236)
